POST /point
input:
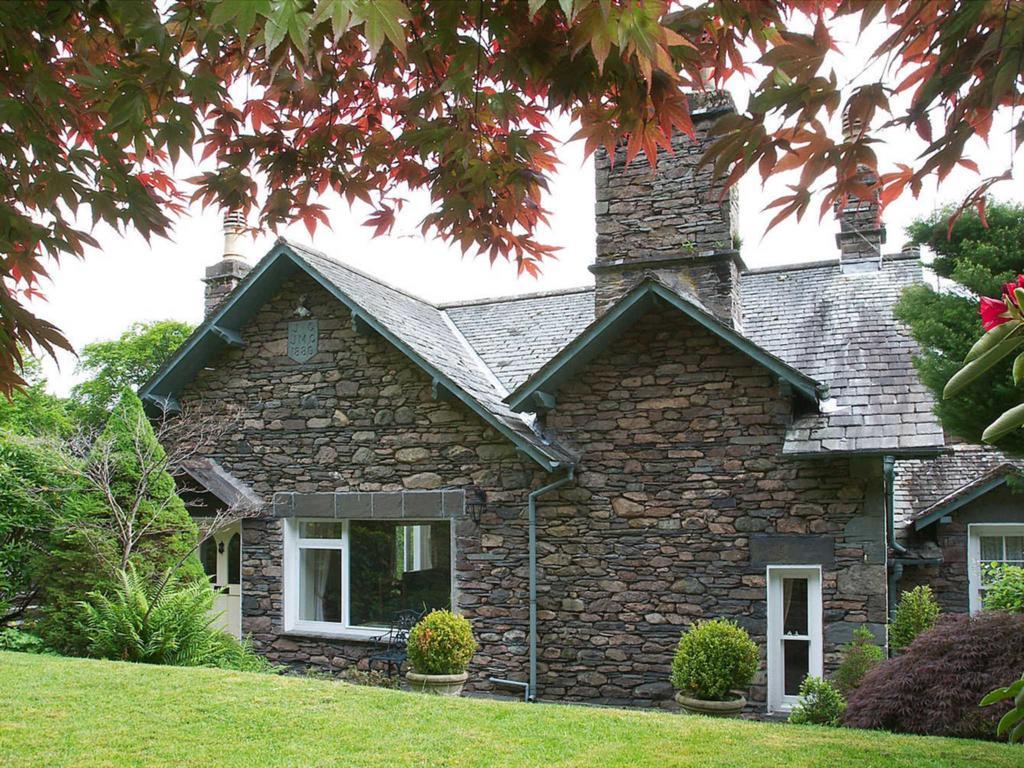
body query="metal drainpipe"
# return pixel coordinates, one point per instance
(889, 468)
(895, 568)
(532, 508)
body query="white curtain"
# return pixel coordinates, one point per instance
(316, 573)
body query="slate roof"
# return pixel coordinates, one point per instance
(832, 327)
(213, 478)
(920, 486)
(838, 328)
(515, 336)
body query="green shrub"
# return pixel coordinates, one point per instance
(14, 639)
(442, 643)
(915, 613)
(713, 658)
(820, 703)
(859, 655)
(1011, 724)
(1004, 588)
(142, 620)
(31, 502)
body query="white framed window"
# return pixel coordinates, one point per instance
(794, 631)
(991, 543)
(350, 577)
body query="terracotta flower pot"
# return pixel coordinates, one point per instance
(727, 708)
(441, 685)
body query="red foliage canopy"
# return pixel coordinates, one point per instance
(289, 100)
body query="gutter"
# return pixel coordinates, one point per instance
(531, 690)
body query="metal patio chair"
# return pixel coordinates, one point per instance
(392, 644)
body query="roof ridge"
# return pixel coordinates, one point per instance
(356, 270)
(445, 305)
(441, 306)
(836, 261)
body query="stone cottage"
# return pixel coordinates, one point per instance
(585, 473)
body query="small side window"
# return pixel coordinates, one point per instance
(208, 557)
(235, 560)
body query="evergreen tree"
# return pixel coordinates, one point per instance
(126, 512)
(32, 482)
(946, 324)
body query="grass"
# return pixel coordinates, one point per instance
(78, 712)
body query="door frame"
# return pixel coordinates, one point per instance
(778, 701)
(229, 595)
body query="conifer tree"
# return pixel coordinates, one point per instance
(123, 509)
(979, 261)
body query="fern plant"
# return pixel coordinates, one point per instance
(147, 621)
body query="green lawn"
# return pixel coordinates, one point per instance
(89, 713)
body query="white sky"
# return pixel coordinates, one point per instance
(128, 280)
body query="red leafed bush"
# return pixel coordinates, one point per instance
(934, 687)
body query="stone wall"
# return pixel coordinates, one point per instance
(681, 438)
(359, 416)
(682, 467)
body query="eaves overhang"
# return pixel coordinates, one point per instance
(963, 496)
(539, 390)
(223, 328)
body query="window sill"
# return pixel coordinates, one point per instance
(348, 635)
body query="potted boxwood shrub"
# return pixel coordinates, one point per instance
(439, 649)
(714, 665)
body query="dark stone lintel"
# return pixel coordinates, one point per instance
(380, 505)
(791, 549)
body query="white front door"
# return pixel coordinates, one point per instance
(221, 555)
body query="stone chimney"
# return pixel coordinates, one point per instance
(674, 221)
(861, 233)
(222, 278)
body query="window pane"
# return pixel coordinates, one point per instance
(796, 663)
(235, 560)
(320, 530)
(1015, 547)
(320, 584)
(395, 567)
(991, 548)
(794, 606)
(208, 557)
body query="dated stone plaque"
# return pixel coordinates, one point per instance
(302, 340)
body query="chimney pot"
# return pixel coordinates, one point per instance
(234, 228)
(224, 276)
